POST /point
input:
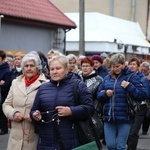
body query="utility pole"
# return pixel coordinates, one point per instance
(81, 28)
(111, 7)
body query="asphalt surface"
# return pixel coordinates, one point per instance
(143, 144)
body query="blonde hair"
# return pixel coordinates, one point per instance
(53, 51)
(19, 54)
(106, 62)
(117, 58)
(62, 59)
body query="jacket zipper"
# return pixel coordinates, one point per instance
(113, 99)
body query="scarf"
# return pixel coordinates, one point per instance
(30, 81)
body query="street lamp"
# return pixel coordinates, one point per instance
(1, 16)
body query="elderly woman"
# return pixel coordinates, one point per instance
(112, 93)
(19, 102)
(145, 68)
(52, 53)
(89, 75)
(54, 107)
(72, 63)
(134, 65)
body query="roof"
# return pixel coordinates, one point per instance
(104, 28)
(36, 10)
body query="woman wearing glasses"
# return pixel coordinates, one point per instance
(19, 102)
(89, 75)
(54, 107)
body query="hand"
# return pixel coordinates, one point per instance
(109, 93)
(2, 82)
(18, 117)
(63, 111)
(124, 83)
(37, 115)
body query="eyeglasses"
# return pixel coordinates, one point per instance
(54, 116)
(86, 66)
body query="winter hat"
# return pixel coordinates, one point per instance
(104, 55)
(81, 57)
(33, 55)
(98, 58)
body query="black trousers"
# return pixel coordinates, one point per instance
(134, 133)
(146, 124)
(3, 121)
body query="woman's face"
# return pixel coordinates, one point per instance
(30, 69)
(86, 69)
(72, 64)
(145, 70)
(17, 61)
(117, 68)
(97, 64)
(57, 70)
(50, 56)
(133, 66)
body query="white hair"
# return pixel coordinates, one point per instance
(71, 57)
(33, 55)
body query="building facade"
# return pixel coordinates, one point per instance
(132, 10)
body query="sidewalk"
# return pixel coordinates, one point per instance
(143, 144)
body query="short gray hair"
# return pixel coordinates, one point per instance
(145, 64)
(33, 55)
(117, 58)
(62, 59)
(71, 57)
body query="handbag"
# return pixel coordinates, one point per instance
(88, 146)
(134, 106)
(89, 130)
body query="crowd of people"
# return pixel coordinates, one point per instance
(37, 98)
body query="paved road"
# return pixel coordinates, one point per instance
(143, 144)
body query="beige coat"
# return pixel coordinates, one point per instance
(20, 99)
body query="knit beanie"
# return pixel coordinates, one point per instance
(98, 58)
(104, 55)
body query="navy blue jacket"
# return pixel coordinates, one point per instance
(14, 73)
(102, 71)
(52, 94)
(115, 107)
(5, 75)
(146, 84)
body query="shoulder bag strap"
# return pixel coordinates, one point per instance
(58, 136)
(76, 100)
(130, 75)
